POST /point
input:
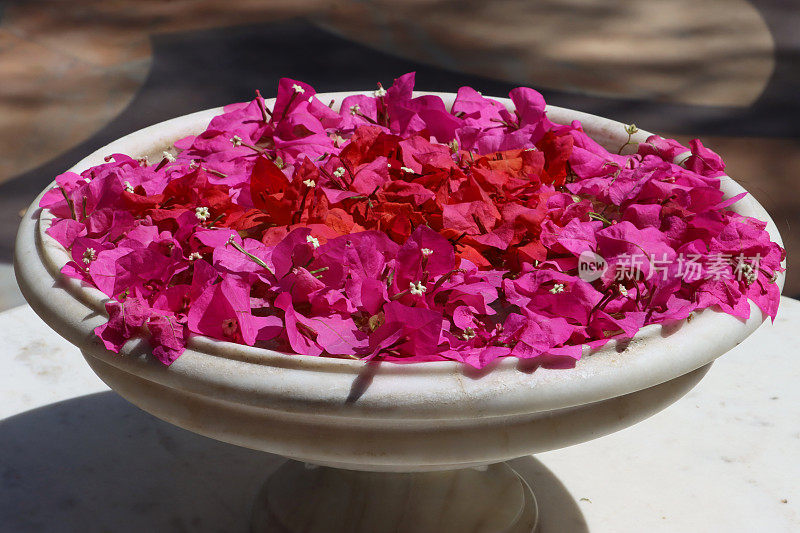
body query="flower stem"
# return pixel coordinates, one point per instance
(597, 216)
(262, 105)
(398, 295)
(69, 203)
(215, 172)
(288, 105)
(253, 258)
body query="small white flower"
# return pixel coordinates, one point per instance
(194, 256)
(339, 172)
(630, 129)
(128, 186)
(310, 183)
(408, 170)
(202, 213)
(313, 241)
(622, 289)
(557, 288)
(381, 92)
(749, 273)
(389, 165)
(417, 288)
(299, 90)
(236, 140)
(168, 156)
(426, 252)
(355, 109)
(469, 333)
(453, 145)
(89, 255)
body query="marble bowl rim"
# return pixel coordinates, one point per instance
(202, 348)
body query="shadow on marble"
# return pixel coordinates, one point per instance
(97, 463)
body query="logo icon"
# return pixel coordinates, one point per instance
(591, 266)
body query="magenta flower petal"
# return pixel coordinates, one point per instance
(169, 337)
(421, 328)
(124, 323)
(301, 336)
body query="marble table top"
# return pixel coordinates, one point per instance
(74, 456)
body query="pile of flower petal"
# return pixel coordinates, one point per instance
(395, 228)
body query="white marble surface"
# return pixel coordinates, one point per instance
(76, 457)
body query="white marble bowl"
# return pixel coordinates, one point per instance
(387, 417)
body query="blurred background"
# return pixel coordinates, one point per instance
(75, 75)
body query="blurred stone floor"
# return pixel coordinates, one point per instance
(75, 75)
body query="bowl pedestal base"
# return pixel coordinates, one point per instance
(300, 497)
